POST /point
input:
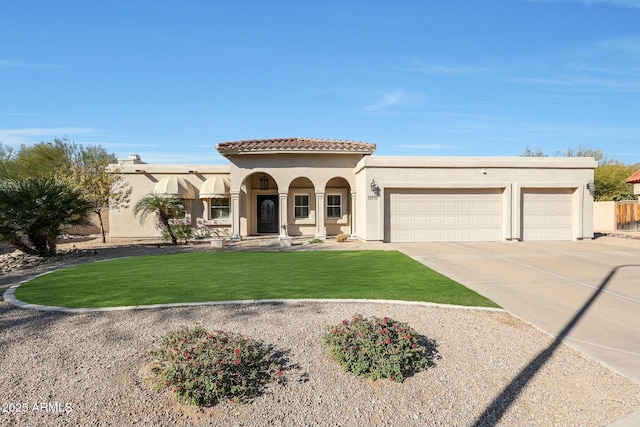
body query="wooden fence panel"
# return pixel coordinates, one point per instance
(628, 216)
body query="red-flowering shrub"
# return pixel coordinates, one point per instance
(203, 368)
(377, 348)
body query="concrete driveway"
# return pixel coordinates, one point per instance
(548, 283)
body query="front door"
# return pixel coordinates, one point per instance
(267, 213)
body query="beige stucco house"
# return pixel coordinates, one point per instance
(319, 188)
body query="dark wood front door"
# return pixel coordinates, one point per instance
(267, 214)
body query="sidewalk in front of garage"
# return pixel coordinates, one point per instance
(548, 283)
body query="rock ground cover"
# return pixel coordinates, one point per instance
(91, 369)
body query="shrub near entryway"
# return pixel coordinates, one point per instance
(203, 368)
(377, 348)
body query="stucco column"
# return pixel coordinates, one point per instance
(320, 230)
(353, 214)
(235, 216)
(206, 214)
(284, 217)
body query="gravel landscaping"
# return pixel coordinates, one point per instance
(91, 369)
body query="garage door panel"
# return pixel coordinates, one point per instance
(450, 208)
(405, 221)
(406, 207)
(421, 221)
(463, 221)
(450, 221)
(565, 221)
(446, 215)
(435, 207)
(551, 221)
(493, 222)
(493, 207)
(435, 221)
(403, 235)
(420, 207)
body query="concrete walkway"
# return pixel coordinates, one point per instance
(548, 284)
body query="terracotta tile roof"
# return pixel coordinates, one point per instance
(294, 145)
(634, 178)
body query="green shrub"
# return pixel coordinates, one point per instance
(181, 232)
(378, 348)
(203, 368)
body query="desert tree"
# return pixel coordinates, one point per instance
(611, 184)
(7, 156)
(43, 159)
(94, 172)
(529, 152)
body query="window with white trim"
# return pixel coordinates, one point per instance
(220, 208)
(301, 206)
(334, 206)
(182, 216)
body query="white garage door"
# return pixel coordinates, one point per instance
(546, 214)
(445, 215)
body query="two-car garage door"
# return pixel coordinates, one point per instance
(458, 215)
(445, 215)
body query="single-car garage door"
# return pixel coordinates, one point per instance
(546, 214)
(444, 215)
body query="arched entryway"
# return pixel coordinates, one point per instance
(338, 207)
(302, 207)
(263, 210)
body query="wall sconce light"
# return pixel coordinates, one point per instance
(591, 186)
(264, 182)
(375, 188)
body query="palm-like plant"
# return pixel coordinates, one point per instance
(164, 208)
(33, 212)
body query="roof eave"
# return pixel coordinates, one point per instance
(293, 151)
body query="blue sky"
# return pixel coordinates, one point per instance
(170, 79)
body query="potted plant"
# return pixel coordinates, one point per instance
(285, 239)
(203, 231)
(217, 240)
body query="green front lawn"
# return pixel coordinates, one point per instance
(223, 276)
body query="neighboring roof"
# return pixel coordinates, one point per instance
(634, 178)
(294, 145)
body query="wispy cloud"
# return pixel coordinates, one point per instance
(581, 81)
(397, 97)
(612, 64)
(8, 63)
(547, 131)
(446, 70)
(15, 137)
